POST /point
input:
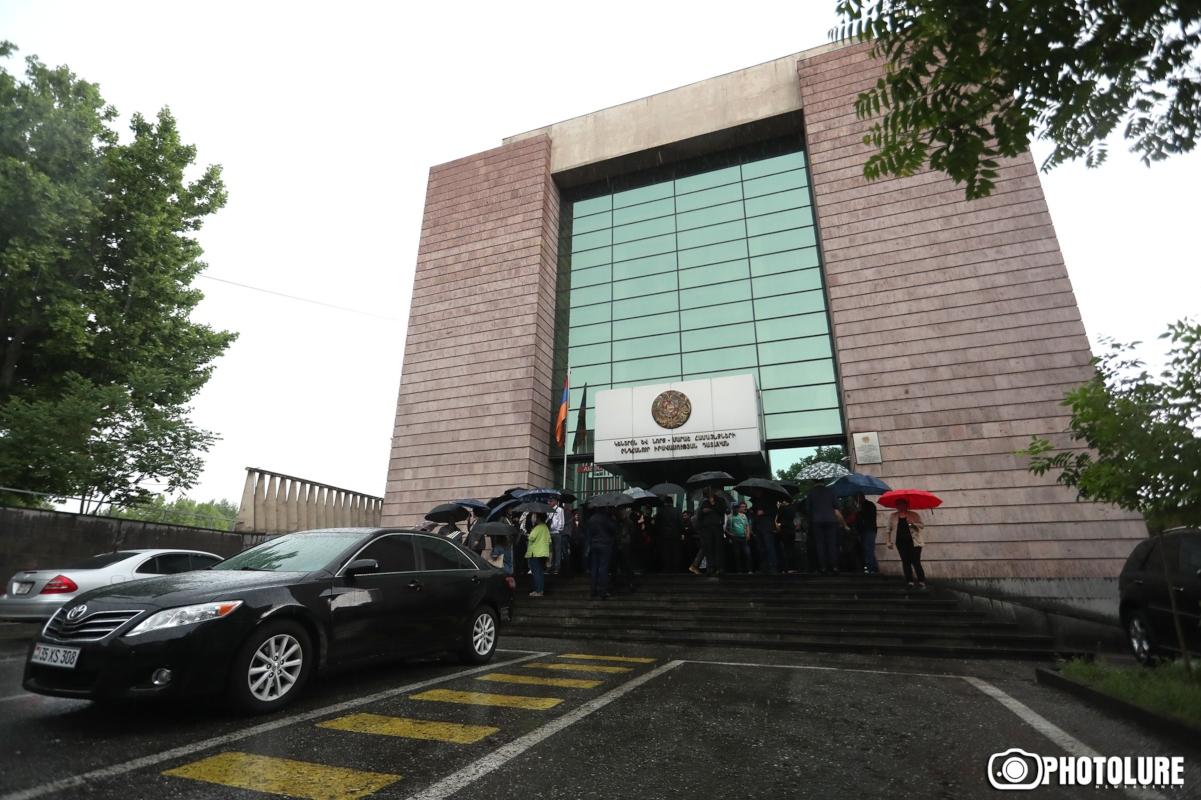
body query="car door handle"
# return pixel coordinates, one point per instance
(416, 585)
(1139, 581)
(476, 579)
(1178, 588)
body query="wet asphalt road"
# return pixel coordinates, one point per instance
(678, 722)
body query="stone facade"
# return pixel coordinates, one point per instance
(472, 417)
(957, 335)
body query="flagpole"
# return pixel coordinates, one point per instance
(565, 430)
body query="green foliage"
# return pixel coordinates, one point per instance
(966, 83)
(1168, 688)
(834, 453)
(98, 356)
(219, 514)
(1141, 431)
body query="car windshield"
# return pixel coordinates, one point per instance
(293, 552)
(102, 560)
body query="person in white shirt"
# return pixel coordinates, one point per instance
(558, 547)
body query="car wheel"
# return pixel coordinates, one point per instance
(1138, 630)
(271, 667)
(480, 639)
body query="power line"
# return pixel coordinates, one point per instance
(301, 299)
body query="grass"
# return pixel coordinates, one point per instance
(1166, 689)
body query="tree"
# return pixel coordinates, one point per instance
(219, 514)
(1141, 431)
(834, 453)
(98, 356)
(966, 83)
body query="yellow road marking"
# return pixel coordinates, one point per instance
(532, 680)
(629, 659)
(578, 667)
(284, 776)
(485, 699)
(407, 728)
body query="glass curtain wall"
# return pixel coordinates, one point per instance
(699, 275)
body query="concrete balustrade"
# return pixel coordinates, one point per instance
(276, 503)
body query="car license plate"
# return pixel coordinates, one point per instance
(22, 587)
(55, 656)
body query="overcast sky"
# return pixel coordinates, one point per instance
(327, 117)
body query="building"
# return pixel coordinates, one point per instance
(724, 229)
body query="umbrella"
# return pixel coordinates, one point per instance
(717, 479)
(502, 498)
(792, 486)
(666, 489)
(856, 483)
(501, 509)
(542, 495)
(448, 512)
(822, 471)
(919, 499)
(497, 530)
(532, 507)
(610, 500)
(471, 505)
(642, 495)
(760, 486)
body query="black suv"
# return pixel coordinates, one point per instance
(1145, 589)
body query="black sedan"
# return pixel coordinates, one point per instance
(256, 625)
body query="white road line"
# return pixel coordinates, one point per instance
(1056, 734)
(826, 669)
(113, 771)
(503, 755)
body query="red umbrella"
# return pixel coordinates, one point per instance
(918, 499)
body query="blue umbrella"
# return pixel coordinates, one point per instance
(498, 513)
(471, 505)
(857, 483)
(542, 495)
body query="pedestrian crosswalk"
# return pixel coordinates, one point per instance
(316, 781)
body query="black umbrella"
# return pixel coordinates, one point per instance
(505, 496)
(448, 512)
(717, 479)
(760, 486)
(497, 530)
(471, 505)
(542, 495)
(666, 488)
(532, 507)
(792, 486)
(610, 500)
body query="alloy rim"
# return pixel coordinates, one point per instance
(483, 634)
(1138, 639)
(275, 667)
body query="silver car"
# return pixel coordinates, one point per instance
(35, 594)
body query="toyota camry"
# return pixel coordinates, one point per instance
(257, 625)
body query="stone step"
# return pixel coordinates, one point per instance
(550, 616)
(945, 647)
(703, 605)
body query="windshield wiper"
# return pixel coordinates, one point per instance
(254, 569)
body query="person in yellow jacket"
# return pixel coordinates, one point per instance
(536, 553)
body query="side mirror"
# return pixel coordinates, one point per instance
(361, 566)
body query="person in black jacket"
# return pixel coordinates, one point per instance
(600, 534)
(669, 531)
(711, 523)
(865, 526)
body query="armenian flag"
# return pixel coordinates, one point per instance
(561, 420)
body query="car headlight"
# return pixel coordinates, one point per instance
(185, 615)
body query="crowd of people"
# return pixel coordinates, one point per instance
(718, 534)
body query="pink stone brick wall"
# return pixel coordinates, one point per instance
(957, 335)
(472, 417)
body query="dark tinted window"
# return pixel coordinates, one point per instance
(204, 562)
(442, 555)
(149, 568)
(394, 554)
(1190, 554)
(171, 563)
(102, 560)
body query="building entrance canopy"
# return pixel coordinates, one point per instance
(668, 431)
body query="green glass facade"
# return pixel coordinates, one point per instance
(713, 272)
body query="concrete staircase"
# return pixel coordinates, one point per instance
(784, 612)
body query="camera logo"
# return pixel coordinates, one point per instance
(1015, 769)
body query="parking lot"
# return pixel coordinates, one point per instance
(555, 719)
